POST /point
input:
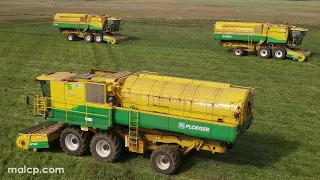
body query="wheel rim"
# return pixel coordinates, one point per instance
(278, 53)
(103, 148)
(70, 37)
(88, 38)
(72, 142)
(237, 52)
(98, 39)
(162, 162)
(263, 52)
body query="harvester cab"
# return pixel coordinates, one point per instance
(42, 101)
(112, 24)
(296, 36)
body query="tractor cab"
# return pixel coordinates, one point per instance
(296, 35)
(112, 24)
(42, 101)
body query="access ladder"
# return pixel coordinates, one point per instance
(40, 106)
(133, 128)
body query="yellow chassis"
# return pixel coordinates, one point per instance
(291, 53)
(107, 37)
(42, 135)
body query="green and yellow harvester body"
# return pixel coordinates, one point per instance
(96, 28)
(265, 39)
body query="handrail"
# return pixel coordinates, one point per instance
(65, 109)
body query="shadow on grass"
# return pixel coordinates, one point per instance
(133, 38)
(125, 155)
(252, 149)
(313, 55)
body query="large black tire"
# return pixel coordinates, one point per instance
(71, 37)
(279, 53)
(98, 38)
(75, 142)
(166, 159)
(238, 51)
(264, 52)
(88, 37)
(106, 146)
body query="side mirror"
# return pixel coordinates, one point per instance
(111, 99)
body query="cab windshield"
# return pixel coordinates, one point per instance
(297, 37)
(113, 25)
(45, 88)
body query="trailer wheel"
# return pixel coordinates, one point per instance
(238, 51)
(71, 37)
(106, 146)
(264, 52)
(279, 53)
(74, 142)
(88, 37)
(98, 38)
(166, 159)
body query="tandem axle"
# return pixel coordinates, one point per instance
(107, 145)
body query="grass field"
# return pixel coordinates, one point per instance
(282, 143)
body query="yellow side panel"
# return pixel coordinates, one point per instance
(184, 80)
(74, 94)
(57, 89)
(65, 17)
(97, 21)
(182, 99)
(279, 33)
(238, 28)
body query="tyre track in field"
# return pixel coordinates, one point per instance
(96, 59)
(26, 33)
(99, 53)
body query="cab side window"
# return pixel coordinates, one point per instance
(45, 87)
(95, 93)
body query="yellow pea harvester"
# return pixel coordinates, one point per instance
(106, 112)
(90, 27)
(265, 39)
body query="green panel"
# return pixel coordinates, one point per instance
(191, 128)
(95, 28)
(100, 118)
(32, 145)
(187, 127)
(291, 56)
(121, 117)
(106, 39)
(222, 133)
(243, 127)
(151, 121)
(75, 26)
(237, 37)
(274, 40)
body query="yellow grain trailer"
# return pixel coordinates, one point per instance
(265, 39)
(91, 27)
(169, 115)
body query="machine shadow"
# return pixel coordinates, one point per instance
(125, 155)
(133, 38)
(314, 54)
(253, 149)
